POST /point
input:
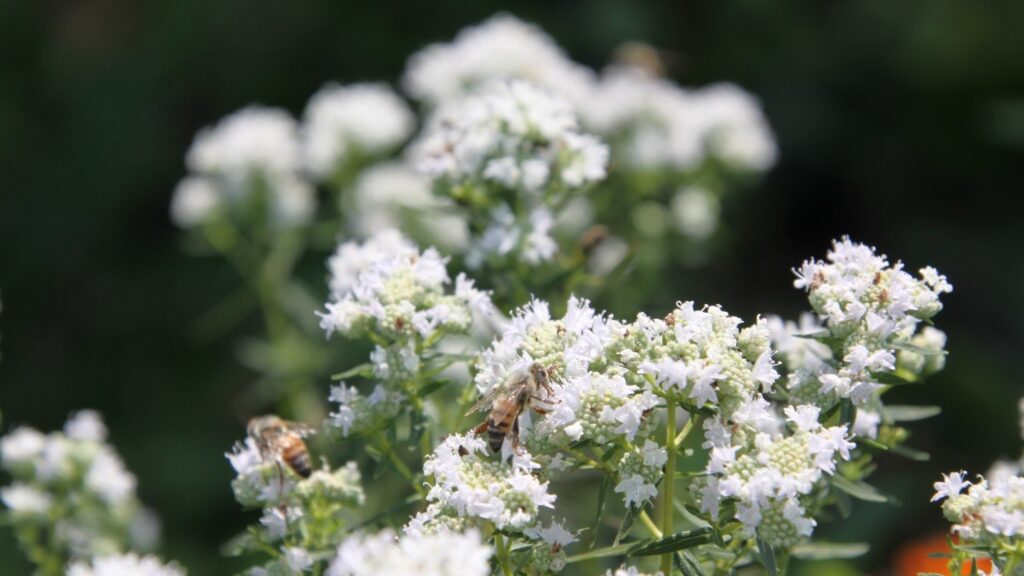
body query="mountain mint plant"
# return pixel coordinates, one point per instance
(493, 417)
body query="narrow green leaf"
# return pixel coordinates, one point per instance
(602, 496)
(689, 565)
(845, 504)
(819, 550)
(910, 413)
(678, 541)
(431, 387)
(365, 370)
(767, 557)
(632, 512)
(892, 379)
(615, 550)
(859, 489)
(916, 349)
(911, 454)
(871, 443)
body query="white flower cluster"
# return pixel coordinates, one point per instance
(607, 375)
(265, 481)
(385, 554)
(641, 471)
(387, 287)
(656, 124)
(703, 356)
(514, 135)
(991, 510)
(356, 120)
(251, 160)
(71, 482)
(501, 48)
(468, 487)
(359, 414)
(869, 310)
(772, 476)
(303, 518)
(510, 136)
(124, 565)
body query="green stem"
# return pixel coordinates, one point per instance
(503, 557)
(403, 470)
(649, 524)
(690, 424)
(668, 482)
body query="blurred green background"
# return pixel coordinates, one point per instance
(900, 123)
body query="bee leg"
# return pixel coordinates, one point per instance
(541, 411)
(515, 436)
(280, 481)
(481, 428)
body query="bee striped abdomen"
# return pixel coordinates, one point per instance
(497, 430)
(297, 457)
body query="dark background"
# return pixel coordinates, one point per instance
(900, 123)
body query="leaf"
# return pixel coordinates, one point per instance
(678, 541)
(365, 370)
(240, 544)
(891, 379)
(824, 337)
(820, 550)
(615, 550)
(602, 496)
(900, 413)
(872, 443)
(911, 454)
(431, 387)
(689, 565)
(767, 557)
(632, 512)
(859, 489)
(916, 349)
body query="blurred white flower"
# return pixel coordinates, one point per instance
(393, 195)
(124, 565)
(501, 48)
(385, 554)
(341, 120)
(696, 212)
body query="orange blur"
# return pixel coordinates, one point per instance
(913, 559)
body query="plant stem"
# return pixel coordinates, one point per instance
(649, 524)
(668, 482)
(503, 559)
(687, 428)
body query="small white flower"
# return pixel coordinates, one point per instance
(952, 484)
(805, 417)
(636, 490)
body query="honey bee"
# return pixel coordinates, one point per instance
(282, 440)
(507, 401)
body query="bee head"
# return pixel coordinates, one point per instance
(259, 424)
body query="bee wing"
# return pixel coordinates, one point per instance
(485, 401)
(303, 430)
(511, 407)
